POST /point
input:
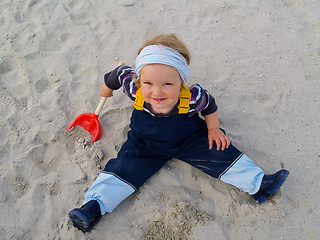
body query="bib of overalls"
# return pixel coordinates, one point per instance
(164, 133)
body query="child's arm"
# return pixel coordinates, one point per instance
(105, 91)
(214, 132)
(117, 78)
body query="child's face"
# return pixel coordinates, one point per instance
(161, 86)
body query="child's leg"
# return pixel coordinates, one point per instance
(230, 165)
(244, 174)
(123, 175)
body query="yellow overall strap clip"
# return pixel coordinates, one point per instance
(139, 101)
(185, 96)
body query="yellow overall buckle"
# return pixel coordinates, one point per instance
(185, 96)
(139, 101)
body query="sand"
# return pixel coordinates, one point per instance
(260, 59)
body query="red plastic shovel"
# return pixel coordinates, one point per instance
(90, 121)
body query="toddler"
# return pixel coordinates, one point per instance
(165, 124)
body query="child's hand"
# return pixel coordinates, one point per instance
(216, 135)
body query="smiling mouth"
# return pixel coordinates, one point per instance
(158, 100)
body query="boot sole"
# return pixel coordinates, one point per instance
(79, 220)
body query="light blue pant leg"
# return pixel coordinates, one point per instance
(109, 190)
(243, 174)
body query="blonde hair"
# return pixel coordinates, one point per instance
(168, 40)
(171, 41)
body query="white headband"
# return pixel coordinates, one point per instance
(154, 54)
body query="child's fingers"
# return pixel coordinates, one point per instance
(223, 143)
(210, 143)
(228, 141)
(218, 144)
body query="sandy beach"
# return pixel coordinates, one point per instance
(259, 59)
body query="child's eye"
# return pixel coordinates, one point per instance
(168, 84)
(148, 83)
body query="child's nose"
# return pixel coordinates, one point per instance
(157, 90)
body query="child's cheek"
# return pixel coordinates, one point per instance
(145, 93)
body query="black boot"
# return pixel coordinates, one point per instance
(86, 216)
(270, 184)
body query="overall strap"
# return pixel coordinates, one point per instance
(139, 101)
(185, 96)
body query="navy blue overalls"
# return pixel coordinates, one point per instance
(152, 142)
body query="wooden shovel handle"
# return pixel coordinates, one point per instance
(100, 105)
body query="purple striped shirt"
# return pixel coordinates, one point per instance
(201, 100)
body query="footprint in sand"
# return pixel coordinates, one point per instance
(8, 105)
(7, 65)
(41, 85)
(50, 43)
(80, 12)
(19, 184)
(264, 100)
(177, 221)
(3, 138)
(83, 74)
(289, 3)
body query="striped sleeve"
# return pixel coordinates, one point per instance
(202, 101)
(121, 77)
